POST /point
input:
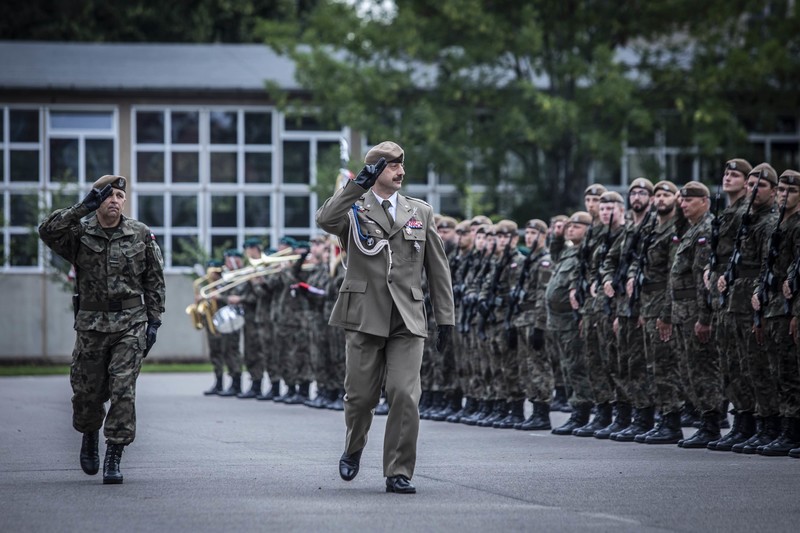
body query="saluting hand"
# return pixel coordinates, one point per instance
(369, 174)
(96, 197)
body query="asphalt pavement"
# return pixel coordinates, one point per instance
(223, 464)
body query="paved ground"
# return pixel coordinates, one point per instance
(214, 464)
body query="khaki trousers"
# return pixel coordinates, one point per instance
(368, 359)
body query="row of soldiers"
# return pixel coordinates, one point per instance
(663, 308)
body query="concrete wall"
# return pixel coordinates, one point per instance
(36, 322)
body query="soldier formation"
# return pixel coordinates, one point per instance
(638, 321)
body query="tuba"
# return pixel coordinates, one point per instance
(201, 311)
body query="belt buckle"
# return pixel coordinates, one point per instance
(115, 305)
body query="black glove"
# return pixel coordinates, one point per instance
(96, 197)
(511, 338)
(536, 339)
(483, 308)
(369, 174)
(150, 335)
(443, 337)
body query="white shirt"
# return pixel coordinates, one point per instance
(392, 200)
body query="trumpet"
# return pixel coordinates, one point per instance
(264, 266)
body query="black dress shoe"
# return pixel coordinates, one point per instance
(348, 465)
(400, 484)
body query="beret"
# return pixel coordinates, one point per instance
(594, 189)
(742, 165)
(463, 226)
(446, 222)
(232, 252)
(641, 183)
(288, 241)
(117, 182)
(214, 263)
(480, 220)
(252, 242)
(611, 197)
(506, 226)
(581, 217)
(766, 172)
(388, 150)
(536, 224)
(790, 177)
(666, 185)
(694, 189)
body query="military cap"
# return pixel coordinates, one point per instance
(595, 189)
(252, 242)
(388, 150)
(320, 239)
(479, 220)
(581, 217)
(790, 177)
(558, 218)
(302, 244)
(214, 263)
(506, 227)
(766, 172)
(611, 197)
(463, 226)
(271, 251)
(742, 165)
(232, 252)
(117, 182)
(446, 222)
(694, 189)
(536, 224)
(484, 228)
(665, 185)
(641, 183)
(288, 241)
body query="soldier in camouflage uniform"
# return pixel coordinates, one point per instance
(734, 386)
(631, 365)
(691, 315)
(231, 342)
(335, 335)
(563, 323)
(267, 340)
(768, 300)
(216, 341)
(555, 244)
(654, 264)
(761, 220)
(319, 355)
(118, 307)
(531, 324)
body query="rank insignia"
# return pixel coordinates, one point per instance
(413, 223)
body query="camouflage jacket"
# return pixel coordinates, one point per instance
(533, 310)
(614, 261)
(762, 222)
(588, 247)
(559, 311)
(109, 269)
(506, 280)
(659, 254)
(687, 292)
(787, 251)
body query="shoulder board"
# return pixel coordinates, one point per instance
(412, 199)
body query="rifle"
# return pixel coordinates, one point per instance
(638, 278)
(518, 292)
(470, 305)
(466, 263)
(713, 241)
(486, 309)
(604, 248)
(793, 279)
(741, 234)
(768, 281)
(629, 254)
(583, 284)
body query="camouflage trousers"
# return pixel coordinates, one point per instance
(320, 358)
(254, 358)
(271, 351)
(292, 340)
(784, 365)
(506, 365)
(731, 329)
(481, 378)
(759, 362)
(609, 350)
(336, 348)
(596, 360)
(105, 367)
(537, 371)
(551, 352)
(634, 375)
(664, 368)
(573, 364)
(462, 361)
(223, 351)
(701, 363)
(427, 373)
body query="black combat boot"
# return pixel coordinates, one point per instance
(723, 415)
(516, 415)
(499, 412)
(578, 418)
(668, 430)
(484, 409)
(602, 419)
(744, 427)
(642, 423)
(254, 392)
(291, 391)
(621, 421)
(452, 406)
(382, 409)
(690, 416)
(337, 404)
(539, 419)
(215, 389)
(90, 457)
(111, 473)
(234, 389)
(274, 392)
(300, 395)
(770, 429)
(470, 406)
(708, 432)
(436, 404)
(424, 401)
(560, 402)
(795, 453)
(786, 441)
(319, 400)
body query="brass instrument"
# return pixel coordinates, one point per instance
(201, 312)
(263, 266)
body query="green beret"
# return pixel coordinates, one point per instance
(790, 177)
(117, 182)
(288, 241)
(594, 189)
(271, 251)
(232, 252)
(302, 244)
(766, 172)
(742, 165)
(537, 224)
(214, 263)
(641, 183)
(665, 185)
(694, 189)
(388, 150)
(611, 197)
(252, 242)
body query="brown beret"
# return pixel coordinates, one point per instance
(610, 197)
(117, 182)
(641, 183)
(463, 226)
(558, 218)
(694, 189)
(480, 220)
(388, 150)
(742, 165)
(484, 228)
(506, 226)
(665, 185)
(446, 222)
(790, 177)
(766, 172)
(581, 217)
(594, 189)
(536, 224)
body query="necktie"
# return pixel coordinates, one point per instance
(386, 206)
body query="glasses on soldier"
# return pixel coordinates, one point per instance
(639, 192)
